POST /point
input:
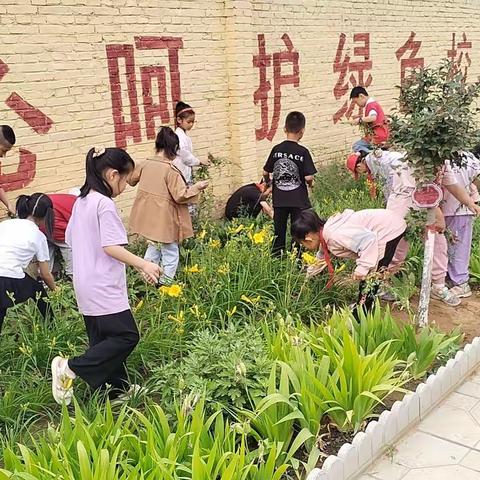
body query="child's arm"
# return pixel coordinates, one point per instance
(180, 192)
(309, 180)
(149, 270)
(267, 209)
(189, 159)
(4, 199)
(463, 197)
(134, 177)
(46, 276)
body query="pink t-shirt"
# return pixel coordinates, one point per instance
(99, 280)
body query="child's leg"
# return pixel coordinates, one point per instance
(153, 254)
(280, 220)
(459, 252)
(116, 336)
(66, 252)
(170, 258)
(440, 259)
(51, 253)
(439, 272)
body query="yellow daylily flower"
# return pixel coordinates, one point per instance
(214, 243)
(202, 234)
(172, 291)
(232, 312)
(236, 230)
(308, 258)
(138, 306)
(258, 237)
(193, 269)
(180, 318)
(252, 301)
(341, 268)
(224, 268)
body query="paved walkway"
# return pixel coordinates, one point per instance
(444, 446)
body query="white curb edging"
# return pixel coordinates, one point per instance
(354, 458)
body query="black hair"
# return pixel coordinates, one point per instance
(38, 206)
(98, 160)
(183, 110)
(167, 140)
(8, 134)
(357, 91)
(294, 122)
(266, 181)
(307, 222)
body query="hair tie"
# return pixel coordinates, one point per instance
(36, 204)
(97, 151)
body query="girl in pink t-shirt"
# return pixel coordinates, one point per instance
(97, 238)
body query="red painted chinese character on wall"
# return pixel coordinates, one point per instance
(412, 61)
(155, 103)
(263, 61)
(40, 123)
(459, 54)
(351, 71)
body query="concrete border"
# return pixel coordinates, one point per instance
(354, 458)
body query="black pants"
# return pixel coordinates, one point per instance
(18, 290)
(367, 299)
(112, 339)
(280, 222)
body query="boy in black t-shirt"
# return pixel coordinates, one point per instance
(291, 168)
(249, 201)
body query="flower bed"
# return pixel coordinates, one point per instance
(252, 371)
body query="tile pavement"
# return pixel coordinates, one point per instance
(445, 445)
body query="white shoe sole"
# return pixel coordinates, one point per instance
(55, 381)
(441, 299)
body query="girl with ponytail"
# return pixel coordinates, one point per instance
(97, 238)
(20, 242)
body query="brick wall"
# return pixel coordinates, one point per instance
(78, 73)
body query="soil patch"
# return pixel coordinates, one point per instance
(466, 316)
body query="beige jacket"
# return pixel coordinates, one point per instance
(160, 211)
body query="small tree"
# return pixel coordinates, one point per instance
(435, 121)
(436, 118)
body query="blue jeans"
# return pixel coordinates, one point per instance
(362, 144)
(166, 253)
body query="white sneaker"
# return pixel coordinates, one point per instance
(445, 295)
(462, 291)
(62, 384)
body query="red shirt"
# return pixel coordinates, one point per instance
(381, 132)
(62, 209)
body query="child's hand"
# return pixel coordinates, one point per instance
(202, 185)
(150, 272)
(358, 276)
(355, 120)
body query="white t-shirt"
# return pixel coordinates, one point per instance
(464, 175)
(20, 241)
(185, 159)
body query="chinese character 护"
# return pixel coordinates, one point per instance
(263, 61)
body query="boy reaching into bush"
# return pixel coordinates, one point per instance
(368, 236)
(291, 168)
(374, 120)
